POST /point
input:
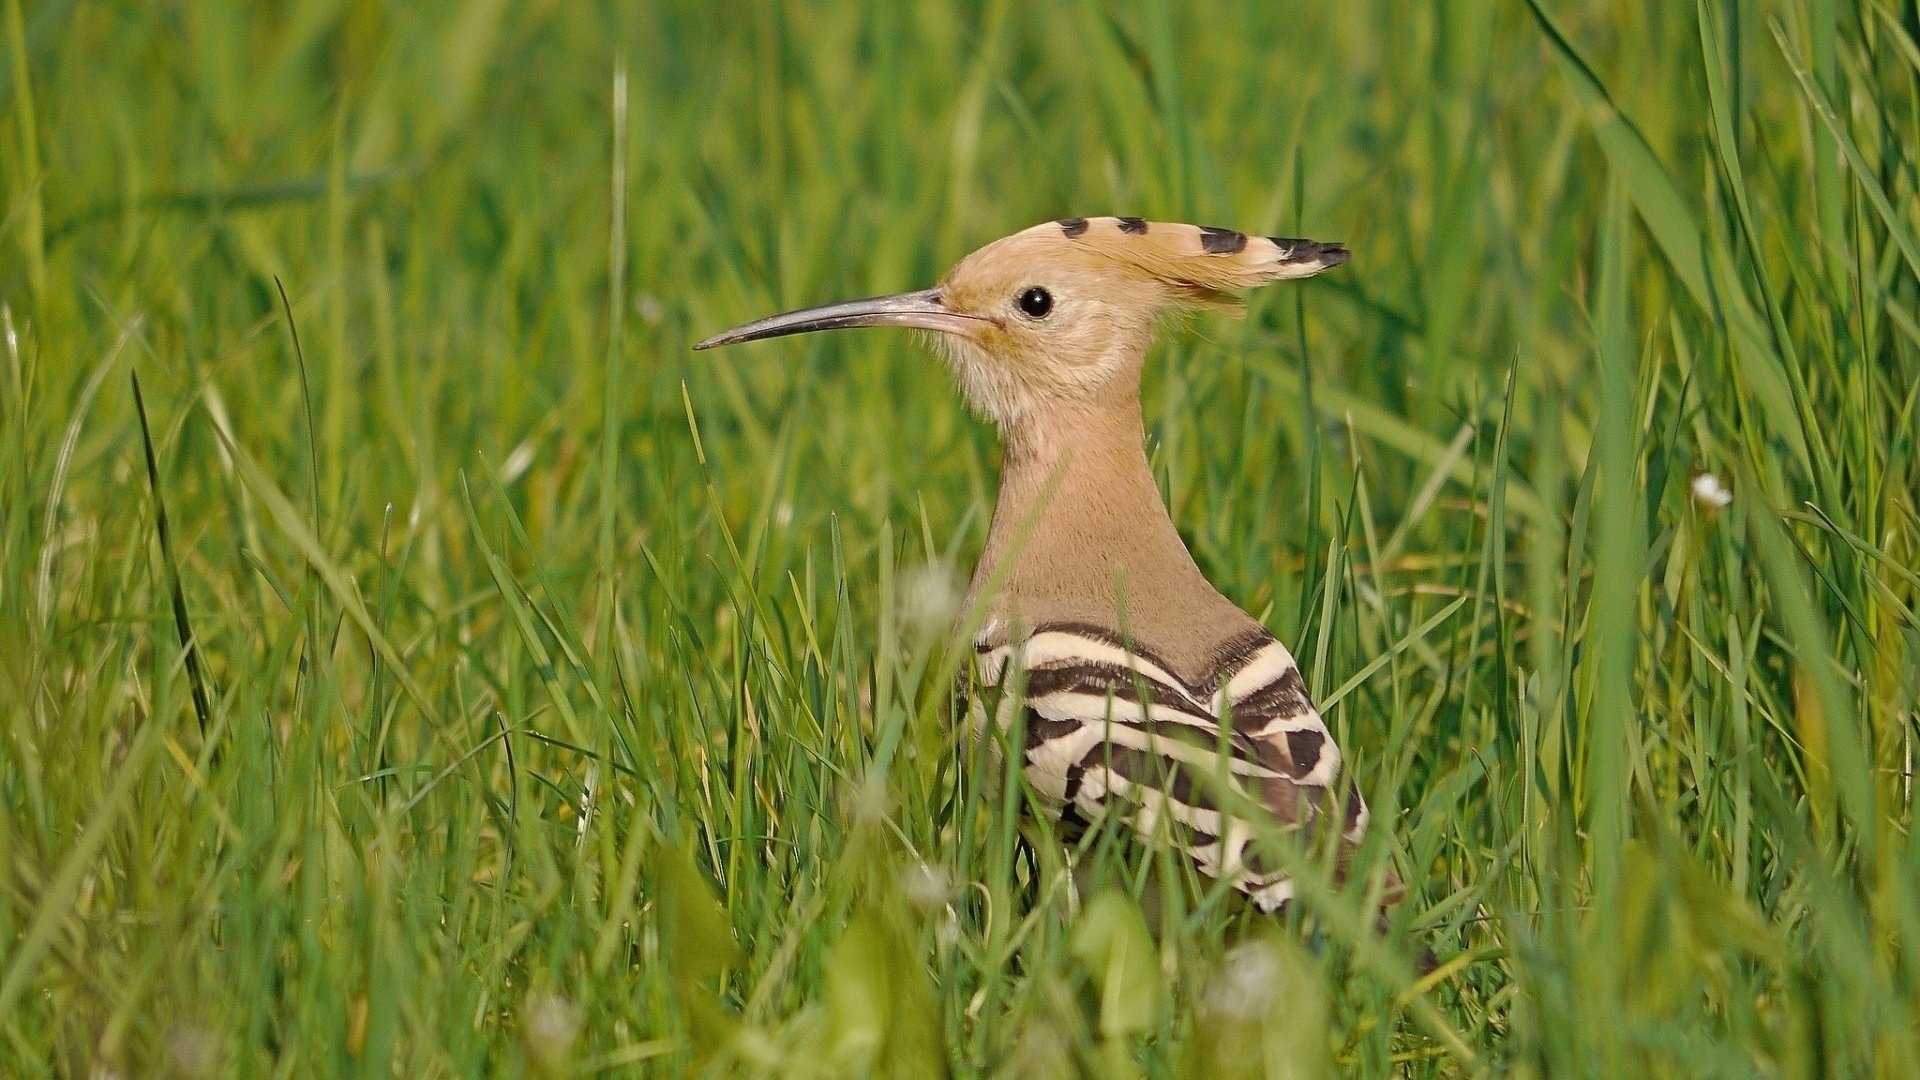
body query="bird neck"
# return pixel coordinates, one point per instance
(1081, 534)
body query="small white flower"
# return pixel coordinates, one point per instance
(868, 803)
(930, 597)
(517, 463)
(1710, 492)
(1248, 982)
(926, 886)
(549, 1025)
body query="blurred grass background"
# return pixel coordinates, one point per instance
(574, 704)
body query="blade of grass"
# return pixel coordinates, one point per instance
(189, 645)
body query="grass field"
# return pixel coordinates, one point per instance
(568, 703)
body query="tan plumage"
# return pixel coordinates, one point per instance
(1103, 640)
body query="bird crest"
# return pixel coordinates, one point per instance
(1196, 265)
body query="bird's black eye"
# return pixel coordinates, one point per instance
(1036, 302)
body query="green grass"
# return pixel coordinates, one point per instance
(578, 704)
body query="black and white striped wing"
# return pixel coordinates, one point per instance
(1112, 731)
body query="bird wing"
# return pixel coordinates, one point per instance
(1111, 731)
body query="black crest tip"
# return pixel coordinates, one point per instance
(1295, 250)
(1221, 241)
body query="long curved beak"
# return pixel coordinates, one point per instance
(921, 310)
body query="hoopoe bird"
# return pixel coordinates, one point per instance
(1135, 688)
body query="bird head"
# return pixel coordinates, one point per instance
(1061, 315)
